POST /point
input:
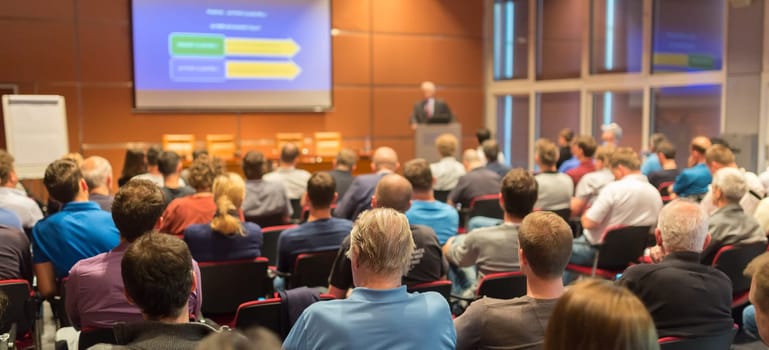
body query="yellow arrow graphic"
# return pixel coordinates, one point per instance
(260, 47)
(262, 70)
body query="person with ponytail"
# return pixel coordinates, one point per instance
(226, 237)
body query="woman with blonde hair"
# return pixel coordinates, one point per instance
(226, 237)
(596, 314)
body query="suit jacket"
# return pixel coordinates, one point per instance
(358, 196)
(441, 111)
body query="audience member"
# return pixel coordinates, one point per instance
(321, 232)
(719, 157)
(381, 251)
(448, 170)
(153, 170)
(611, 134)
(693, 181)
(491, 150)
(263, 199)
(729, 224)
(594, 314)
(489, 248)
(98, 175)
(629, 201)
(94, 289)
(564, 148)
(583, 147)
(756, 316)
(197, 208)
(80, 230)
(134, 164)
(700, 303)
(651, 162)
(483, 135)
(592, 183)
(666, 153)
(425, 210)
(14, 199)
(170, 165)
(158, 278)
(478, 181)
(225, 237)
(294, 180)
(256, 338)
(358, 196)
(344, 165)
(427, 262)
(15, 256)
(555, 188)
(545, 241)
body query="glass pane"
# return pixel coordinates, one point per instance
(511, 35)
(682, 113)
(559, 39)
(688, 35)
(616, 36)
(513, 129)
(624, 108)
(557, 110)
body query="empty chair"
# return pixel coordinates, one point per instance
(443, 287)
(732, 260)
(270, 236)
(486, 205)
(312, 269)
(327, 143)
(21, 311)
(227, 284)
(620, 246)
(221, 146)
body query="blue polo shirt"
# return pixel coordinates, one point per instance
(443, 218)
(651, 164)
(693, 181)
(313, 236)
(376, 319)
(80, 230)
(10, 219)
(569, 164)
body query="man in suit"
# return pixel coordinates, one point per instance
(358, 196)
(430, 109)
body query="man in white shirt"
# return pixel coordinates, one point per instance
(448, 170)
(12, 198)
(294, 180)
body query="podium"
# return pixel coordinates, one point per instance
(425, 140)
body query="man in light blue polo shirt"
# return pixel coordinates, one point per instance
(379, 314)
(425, 210)
(694, 181)
(80, 230)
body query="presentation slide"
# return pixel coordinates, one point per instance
(232, 54)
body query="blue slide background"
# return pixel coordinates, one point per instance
(306, 22)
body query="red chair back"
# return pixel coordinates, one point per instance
(622, 245)
(732, 260)
(270, 236)
(664, 192)
(721, 341)
(443, 287)
(505, 285)
(21, 306)
(266, 313)
(312, 269)
(227, 284)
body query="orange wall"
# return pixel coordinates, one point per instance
(81, 49)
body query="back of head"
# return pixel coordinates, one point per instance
(604, 153)
(321, 188)
(168, 163)
(482, 134)
(96, 170)
(385, 158)
(519, 192)
(446, 144)
(198, 153)
(626, 157)
(418, 173)
(381, 240)
(202, 174)
(656, 139)
(614, 129)
(470, 156)
(700, 144)
(347, 158)
(62, 180)
(6, 167)
(153, 155)
(545, 239)
(758, 269)
(134, 162)
(75, 157)
(157, 275)
(683, 225)
(547, 152)
(587, 144)
(490, 150)
(229, 191)
(731, 183)
(719, 154)
(393, 191)
(256, 338)
(289, 153)
(253, 165)
(137, 207)
(596, 314)
(567, 134)
(667, 149)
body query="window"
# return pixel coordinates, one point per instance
(513, 129)
(559, 39)
(511, 35)
(624, 108)
(688, 35)
(616, 39)
(557, 110)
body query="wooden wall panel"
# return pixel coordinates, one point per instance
(37, 51)
(404, 148)
(452, 17)
(114, 11)
(37, 9)
(350, 114)
(351, 14)
(350, 57)
(105, 52)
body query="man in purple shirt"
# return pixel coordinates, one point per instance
(95, 297)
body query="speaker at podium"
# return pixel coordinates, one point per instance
(425, 135)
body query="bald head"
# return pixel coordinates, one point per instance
(428, 89)
(385, 158)
(393, 191)
(97, 172)
(289, 153)
(471, 159)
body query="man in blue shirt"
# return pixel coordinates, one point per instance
(694, 181)
(652, 162)
(380, 251)
(80, 230)
(425, 210)
(321, 232)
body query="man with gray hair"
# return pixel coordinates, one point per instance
(358, 196)
(381, 247)
(729, 224)
(700, 303)
(611, 134)
(98, 175)
(430, 109)
(478, 181)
